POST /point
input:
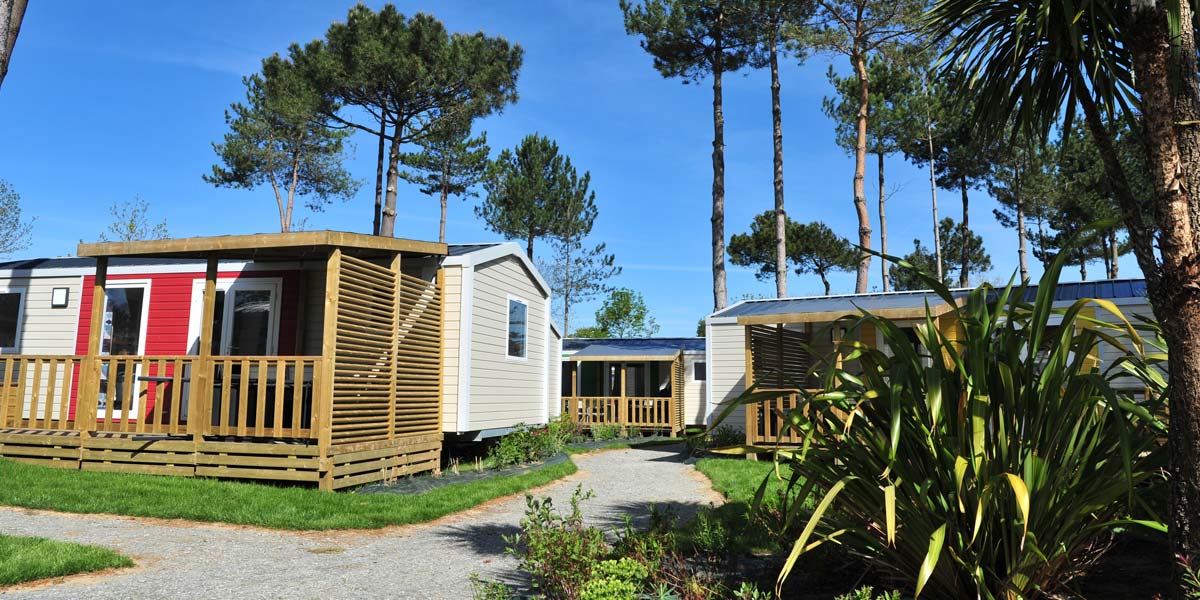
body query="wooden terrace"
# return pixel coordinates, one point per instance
(365, 405)
(641, 390)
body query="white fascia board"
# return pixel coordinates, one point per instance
(466, 318)
(148, 269)
(720, 321)
(497, 251)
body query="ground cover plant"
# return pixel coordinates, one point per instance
(276, 507)
(991, 459)
(25, 559)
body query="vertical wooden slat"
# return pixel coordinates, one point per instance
(243, 396)
(226, 415)
(111, 392)
(298, 395)
(6, 396)
(34, 394)
(176, 395)
(260, 403)
(51, 386)
(142, 412)
(64, 393)
(281, 369)
(128, 412)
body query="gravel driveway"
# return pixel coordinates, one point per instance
(177, 559)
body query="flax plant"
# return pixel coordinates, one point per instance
(993, 459)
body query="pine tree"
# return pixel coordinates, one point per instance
(922, 259)
(692, 39)
(450, 163)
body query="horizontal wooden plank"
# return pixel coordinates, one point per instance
(245, 460)
(247, 473)
(221, 447)
(146, 469)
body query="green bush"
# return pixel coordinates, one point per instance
(559, 551)
(726, 436)
(603, 433)
(987, 458)
(608, 588)
(868, 593)
(526, 444)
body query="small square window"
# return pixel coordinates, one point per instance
(700, 371)
(59, 297)
(518, 326)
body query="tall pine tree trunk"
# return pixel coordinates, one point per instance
(387, 221)
(860, 172)
(824, 281)
(1022, 257)
(1114, 253)
(1167, 84)
(965, 251)
(379, 175)
(780, 214)
(1083, 269)
(887, 285)
(720, 295)
(568, 285)
(442, 222)
(529, 246)
(937, 234)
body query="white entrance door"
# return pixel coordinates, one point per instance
(122, 333)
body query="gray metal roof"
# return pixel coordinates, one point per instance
(461, 249)
(1108, 289)
(633, 346)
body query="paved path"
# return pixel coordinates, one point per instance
(185, 560)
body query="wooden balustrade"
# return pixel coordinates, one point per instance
(250, 396)
(765, 420)
(617, 410)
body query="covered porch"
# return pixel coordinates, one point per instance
(344, 389)
(641, 387)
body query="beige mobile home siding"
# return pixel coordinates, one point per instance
(554, 366)
(46, 330)
(693, 391)
(452, 317)
(1110, 354)
(727, 369)
(505, 391)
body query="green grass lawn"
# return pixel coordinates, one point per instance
(275, 507)
(30, 558)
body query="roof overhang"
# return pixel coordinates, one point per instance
(605, 353)
(266, 246)
(490, 252)
(907, 312)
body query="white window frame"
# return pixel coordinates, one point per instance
(132, 410)
(20, 326)
(508, 327)
(228, 285)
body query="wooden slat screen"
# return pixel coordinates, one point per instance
(365, 357)
(779, 359)
(678, 379)
(418, 357)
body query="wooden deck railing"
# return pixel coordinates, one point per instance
(616, 410)
(248, 396)
(765, 420)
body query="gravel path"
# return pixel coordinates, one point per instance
(435, 560)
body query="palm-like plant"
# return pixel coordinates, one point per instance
(990, 462)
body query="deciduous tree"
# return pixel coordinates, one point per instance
(278, 138)
(450, 163)
(692, 39)
(623, 315)
(131, 223)
(15, 231)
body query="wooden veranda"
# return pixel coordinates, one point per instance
(610, 403)
(366, 407)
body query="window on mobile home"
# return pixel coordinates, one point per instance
(518, 325)
(10, 318)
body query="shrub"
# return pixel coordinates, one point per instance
(867, 592)
(984, 459)
(603, 433)
(525, 444)
(726, 436)
(489, 590)
(608, 588)
(557, 550)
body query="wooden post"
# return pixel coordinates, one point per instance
(573, 399)
(200, 411)
(323, 398)
(622, 407)
(441, 293)
(396, 291)
(89, 393)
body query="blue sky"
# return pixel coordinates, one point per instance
(107, 100)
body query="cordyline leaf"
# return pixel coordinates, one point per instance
(889, 509)
(960, 471)
(1022, 493)
(800, 546)
(936, 541)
